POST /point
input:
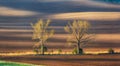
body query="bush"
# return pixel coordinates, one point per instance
(59, 51)
(36, 50)
(52, 51)
(111, 51)
(81, 51)
(39, 49)
(75, 51)
(45, 49)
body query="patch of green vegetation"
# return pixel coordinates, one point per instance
(4, 63)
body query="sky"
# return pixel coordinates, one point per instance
(16, 16)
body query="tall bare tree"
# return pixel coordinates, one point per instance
(79, 33)
(41, 34)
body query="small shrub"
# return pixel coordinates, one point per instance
(45, 49)
(111, 51)
(81, 51)
(59, 51)
(75, 51)
(52, 51)
(36, 51)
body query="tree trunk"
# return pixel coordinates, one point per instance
(42, 49)
(78, 48)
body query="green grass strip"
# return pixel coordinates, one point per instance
(5, 63)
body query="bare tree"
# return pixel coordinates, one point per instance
(79, 34)
(41, 34)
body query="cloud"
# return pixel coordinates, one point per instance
(73, 2)
(5, 11)
(96, 4)
(34, 0)
(107, 16)
(84, 2)
(59, 6)
(51, 0)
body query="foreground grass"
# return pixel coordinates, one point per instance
(4, 63)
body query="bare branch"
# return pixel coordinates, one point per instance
(78, 30)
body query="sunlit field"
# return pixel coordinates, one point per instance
(92, 51)
(60, 32)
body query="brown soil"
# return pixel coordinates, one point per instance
(67, 60)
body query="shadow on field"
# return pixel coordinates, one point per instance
(63, 58)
